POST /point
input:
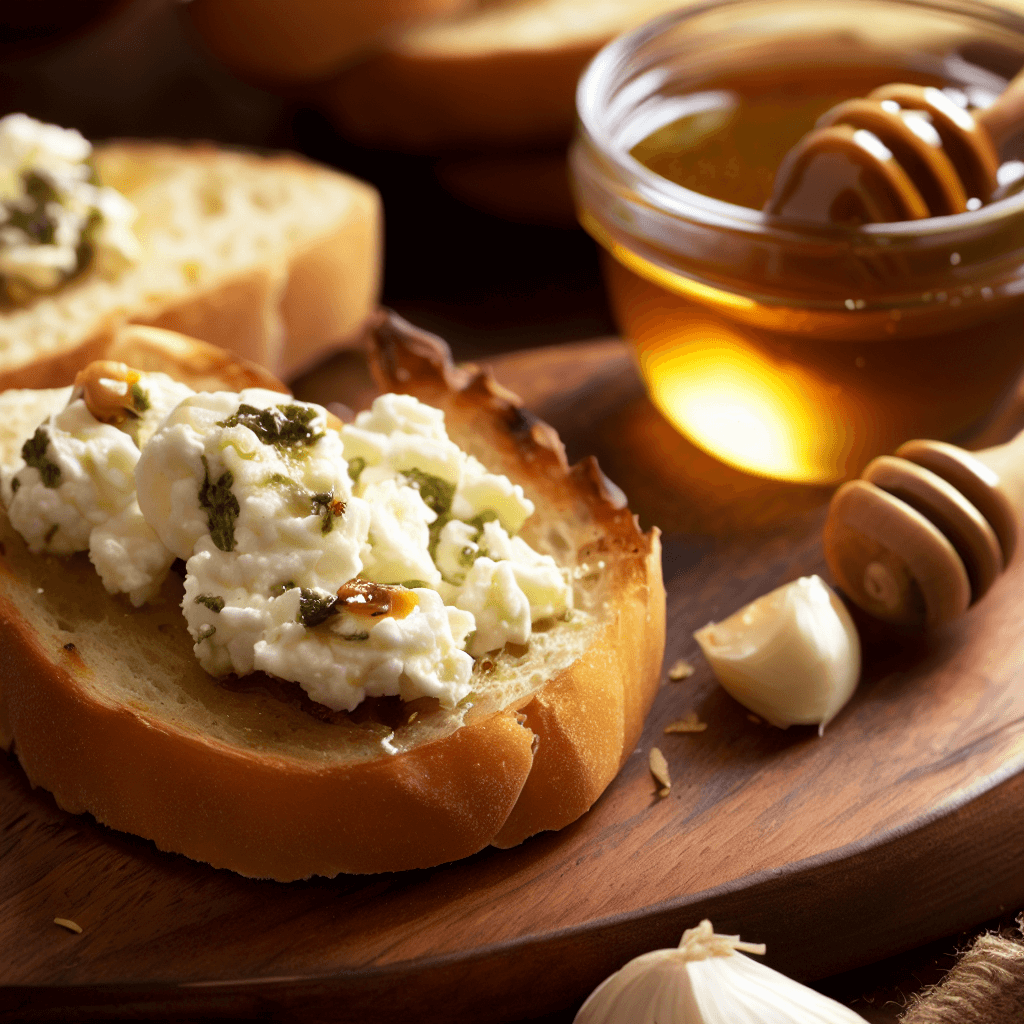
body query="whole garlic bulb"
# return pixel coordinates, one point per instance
(707, 980)
(792, 656)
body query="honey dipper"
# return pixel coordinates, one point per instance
(924, 534)
(905, 152)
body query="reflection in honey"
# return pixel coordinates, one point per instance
(759, 413)
(809, 407)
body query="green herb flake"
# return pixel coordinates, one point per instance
(280, 479)
(205, 632)
(437, 494)
(478, 521)
(416, 585)
(215, 604)
(355, 636)
(324, 506)
(315, 608)
(468, 555)
(281, 425)
(355, 467)
(281, 588)
(221, 507)
(140, 398)
(33, 451)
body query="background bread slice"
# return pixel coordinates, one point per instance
(500, 76)
(275, 258)
(275, 42)
(109, 710)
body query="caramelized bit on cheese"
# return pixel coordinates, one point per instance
(376, 600)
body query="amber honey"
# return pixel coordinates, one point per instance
(788, 351)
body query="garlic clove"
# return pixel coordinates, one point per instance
(792, 656)
(707, 980)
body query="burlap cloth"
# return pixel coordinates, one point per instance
(986, 986)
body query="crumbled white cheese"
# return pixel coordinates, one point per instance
(73, 489)
(276, 514)
(52, 217)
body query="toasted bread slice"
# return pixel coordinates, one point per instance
(108, 709)
(275, 258)
(275, 43)
(502, 75)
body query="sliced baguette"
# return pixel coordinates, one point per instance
(272, 42)
(107, 708)
(275, 258)
(503, 75)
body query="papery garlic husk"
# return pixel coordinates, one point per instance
(707, 980)
(792, 656)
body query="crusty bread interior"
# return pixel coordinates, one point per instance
(107, 707)
(275, 258)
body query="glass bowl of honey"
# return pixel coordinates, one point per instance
(788, 348)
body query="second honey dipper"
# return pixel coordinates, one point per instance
(924, 534)
(906, 152)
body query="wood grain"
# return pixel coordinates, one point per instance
(898, 826)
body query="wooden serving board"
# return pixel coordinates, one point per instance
(900, 825)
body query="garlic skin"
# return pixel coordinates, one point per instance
(707, 981)
(792, 656)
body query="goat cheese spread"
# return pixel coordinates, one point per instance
(54, 218)
(377, 559)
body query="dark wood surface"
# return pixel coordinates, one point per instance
(897, 827)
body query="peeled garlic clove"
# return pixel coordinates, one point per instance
(707, 980)
(792, 656)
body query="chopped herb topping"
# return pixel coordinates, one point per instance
(324, 506)
(282, 588)
(280, 425)
(33, 218)
(355, 467)
(215, 604)
(33, 451)
(140, 397)
(315, 608)
(477, 522)
(205, 632)
(437, 494)
(416, 584)
(468, 555)
(355, 636)
(221, 507)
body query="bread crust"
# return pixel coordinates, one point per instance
(430, 103)
(275, 43)
(310, 295)
(533, 758)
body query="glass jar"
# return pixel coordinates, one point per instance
(790, 349)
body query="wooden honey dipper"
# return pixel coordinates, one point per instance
(906, 152)
(923, 534)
